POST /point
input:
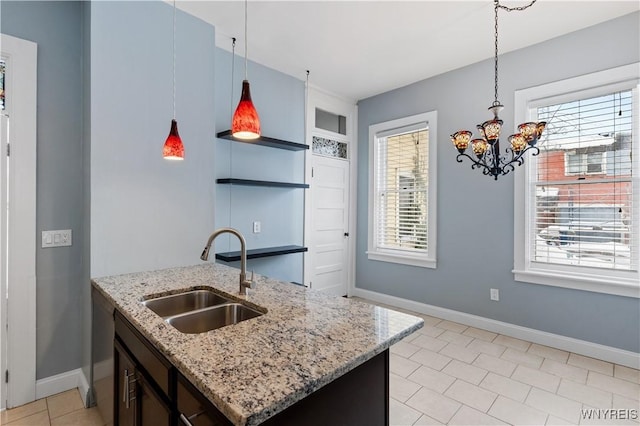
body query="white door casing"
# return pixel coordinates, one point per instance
(4, 129)
(19, 312)
(329, 209)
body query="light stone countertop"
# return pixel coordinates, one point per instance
(255, 369)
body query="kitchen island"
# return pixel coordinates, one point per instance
(304, 342)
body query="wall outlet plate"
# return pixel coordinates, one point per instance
(57, 238)
(257, 227)
(495, 294)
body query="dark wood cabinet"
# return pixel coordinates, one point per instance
(151, 409)
(146, 386)
(194, 409)
(125, 391)
(149, 391)
(137, 401)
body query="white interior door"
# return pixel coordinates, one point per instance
(19, 222)
(330, 225)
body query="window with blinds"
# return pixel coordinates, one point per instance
(401, 190)
(583, 204)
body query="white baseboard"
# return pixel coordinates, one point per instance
(581, 347)
(63, 382)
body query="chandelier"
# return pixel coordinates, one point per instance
(487, 147)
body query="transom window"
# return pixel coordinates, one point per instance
(402, 213)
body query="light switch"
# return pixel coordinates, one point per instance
(59, 238)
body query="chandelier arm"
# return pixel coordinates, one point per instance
(518, 158)
(475, 164)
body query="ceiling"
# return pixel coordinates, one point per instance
(358, 49)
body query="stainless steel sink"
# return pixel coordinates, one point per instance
(175, 304)
(212, 318)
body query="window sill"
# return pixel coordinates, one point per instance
(619, 286)
(420, 261)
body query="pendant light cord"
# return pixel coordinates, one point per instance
(306, 104)
(233, 62)
(174, 59)
(246, 44)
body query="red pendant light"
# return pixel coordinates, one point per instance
(245, 123)
(173, 148)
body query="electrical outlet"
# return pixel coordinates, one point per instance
(257, 227)
(495, 294)
(59, 238)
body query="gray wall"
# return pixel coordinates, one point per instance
(475, 213)
(279, 99)
(147, 212)
(61, 272)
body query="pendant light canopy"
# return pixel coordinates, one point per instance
(245, 123)
(173, 148)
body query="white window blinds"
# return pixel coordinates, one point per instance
(401, 189)
(584, 196)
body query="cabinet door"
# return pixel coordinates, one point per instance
(152, 411)
(194, 409)
(125, 388)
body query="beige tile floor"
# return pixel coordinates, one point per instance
(65, 408)
(448, 373)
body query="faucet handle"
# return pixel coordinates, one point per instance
(252, 283)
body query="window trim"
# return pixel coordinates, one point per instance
(405, 257)
(622, 283)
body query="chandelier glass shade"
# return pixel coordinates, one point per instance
(487, 148)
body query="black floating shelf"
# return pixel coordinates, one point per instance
(233, 256)
(249, 182)
(266, 141)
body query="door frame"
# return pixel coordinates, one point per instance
(317, 97)
(20, 341)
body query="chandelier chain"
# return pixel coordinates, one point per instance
(497, 6)
(495, 56)
(519, 8)
(487, 148)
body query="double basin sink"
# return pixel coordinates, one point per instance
(198, 311)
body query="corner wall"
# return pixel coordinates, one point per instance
(475, 213)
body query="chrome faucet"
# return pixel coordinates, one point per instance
(244, 283)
